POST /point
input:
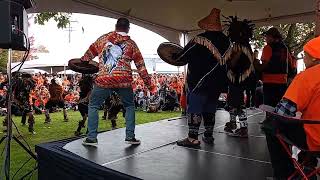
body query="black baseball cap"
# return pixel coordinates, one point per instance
(274, 32)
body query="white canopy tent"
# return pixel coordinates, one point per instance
(32, 71)
(171, 18)
(156, 65)
(67, 72)
(45, 62)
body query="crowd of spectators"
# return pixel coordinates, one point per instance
(165, 94)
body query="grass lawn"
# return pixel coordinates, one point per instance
(58, 130)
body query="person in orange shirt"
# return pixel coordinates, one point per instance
(40, 80)
(70, 100)
(183, 100)
(44, 95)
(176, 86)
(2, 78)
(69, 97)
(65, 82)
(303, 95)
(154, 88)
(56, 99)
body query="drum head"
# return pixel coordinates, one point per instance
(167, 50)
(81, 67)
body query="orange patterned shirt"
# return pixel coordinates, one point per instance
(121, 75)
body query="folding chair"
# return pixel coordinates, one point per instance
(287, 144)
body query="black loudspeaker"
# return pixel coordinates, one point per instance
(14, 24)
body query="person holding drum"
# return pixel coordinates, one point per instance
(206, 77)
(211, 59)
(116, 50)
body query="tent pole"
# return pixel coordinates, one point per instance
(184, 44)
(318, 18)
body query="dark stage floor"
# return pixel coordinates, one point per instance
(159, 158)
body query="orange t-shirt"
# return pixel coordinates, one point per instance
(2, 92)
(305, 92)
(183, 101)
(66, 83)
(176, 86)
(69, 98)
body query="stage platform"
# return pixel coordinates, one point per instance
(158, 157)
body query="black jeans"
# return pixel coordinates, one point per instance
(281, 163)
(273, 93)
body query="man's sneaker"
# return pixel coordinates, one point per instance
(241, 132)
(208, 140)
(133, 141)
(89, 142)
(230, 127)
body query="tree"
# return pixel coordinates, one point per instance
(295, 35)
(62, 19)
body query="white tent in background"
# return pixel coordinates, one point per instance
(67, 72)
(156, 65)
(170, 18)
(44, 62)
(31, 71)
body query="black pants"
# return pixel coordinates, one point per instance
(83, 109)
(281, 164)
(259, 97)
(251, 96)
(235, 96)
(273, 93)
(114, 110)
(194, 121)
(50, 104)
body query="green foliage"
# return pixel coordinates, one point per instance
(295, 35)
(62, 19)
(3, 59)
(258, 39)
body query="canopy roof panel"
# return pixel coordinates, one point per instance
(167, 17)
